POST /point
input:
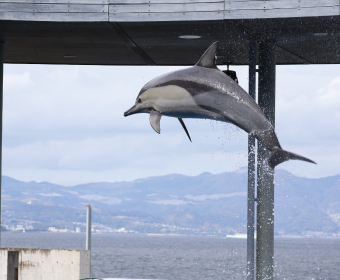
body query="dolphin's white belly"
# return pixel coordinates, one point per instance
(175, 101)
(195, 112)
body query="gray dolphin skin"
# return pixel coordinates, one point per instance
(203, 91)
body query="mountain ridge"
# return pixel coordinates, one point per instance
(174, 203)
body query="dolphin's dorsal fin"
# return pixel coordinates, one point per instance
(155, 120)
(185, 129)
(208, 59)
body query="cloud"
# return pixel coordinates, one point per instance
(103, 199)
(328, 98)
(65, 124)
(51, 194)
(171, 202)
(309, 117)
(215, 196)
(72, 102)
(14, 82)
(151, 194)
(72, 192)
(132, 150)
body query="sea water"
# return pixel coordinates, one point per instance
(185, 257)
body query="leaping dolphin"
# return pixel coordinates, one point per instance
(203, 91)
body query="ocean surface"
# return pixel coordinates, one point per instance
(189, 258)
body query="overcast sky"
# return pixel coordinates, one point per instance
(65, 124)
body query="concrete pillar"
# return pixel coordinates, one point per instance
(12, 265)
(1, 108)
(251, 171)
(265, 175)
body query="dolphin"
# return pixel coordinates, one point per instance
(203, 91)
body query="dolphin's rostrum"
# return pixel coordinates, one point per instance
(204, 91)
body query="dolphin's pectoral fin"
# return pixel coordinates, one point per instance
(185, 129)
(155, 120)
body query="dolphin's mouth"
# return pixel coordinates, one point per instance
(135, 109)
(130, 111)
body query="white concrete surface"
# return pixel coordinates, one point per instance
(3, 264)
(161, 10)
(48, 264)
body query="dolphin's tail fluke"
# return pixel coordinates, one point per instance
(278, 156)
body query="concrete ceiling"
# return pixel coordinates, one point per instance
(313, 40)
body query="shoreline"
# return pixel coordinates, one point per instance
(171, 235)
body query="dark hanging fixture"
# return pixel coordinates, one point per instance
(231, 74)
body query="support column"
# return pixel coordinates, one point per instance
(1, 108)
(88, 226)
(88, 229)
(265, 175)
(251, 171)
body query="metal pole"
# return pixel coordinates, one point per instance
(88, 229)
(251, 171)
(88, 226)
(265, 175)
(1, 107)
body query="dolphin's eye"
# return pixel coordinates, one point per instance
(139, 100)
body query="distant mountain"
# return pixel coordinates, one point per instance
(205, 203)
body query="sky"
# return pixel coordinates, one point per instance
(64, 124)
